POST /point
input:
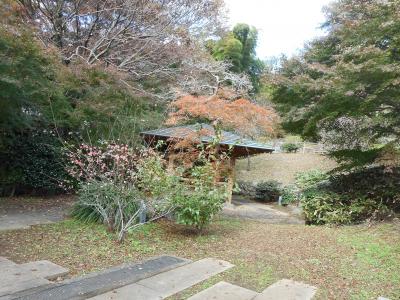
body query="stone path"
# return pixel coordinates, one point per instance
(224, 290)
(169, 283)
(243, 208)
(17, 213)
(288, 289)
(102, 282)
(282, 290)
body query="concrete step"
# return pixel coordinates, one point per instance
(42, 269)
(101, 282)
(225, 291)
(4, 262)
(131, 291)
(16, 278)
(169, 283)
(11, 283)
(286, 289)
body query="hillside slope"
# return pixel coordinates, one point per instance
(280, 166)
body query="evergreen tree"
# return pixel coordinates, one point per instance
(345, 88)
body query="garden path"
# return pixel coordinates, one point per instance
(21, 213)
(268, 213)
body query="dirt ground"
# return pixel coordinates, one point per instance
(281, 166)
(353, 262)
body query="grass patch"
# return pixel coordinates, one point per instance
(354, 262)
(375, 263)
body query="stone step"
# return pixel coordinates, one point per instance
(4, 262)
(102, 282)
(17, 282)
(131, 291)
(286, 289)
(15, 278)
(225, 291)
(42, 269)
(169, 283)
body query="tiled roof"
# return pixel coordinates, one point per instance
(228, 138)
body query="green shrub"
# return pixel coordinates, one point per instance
(309, 179)
(246, 188)
(121, 201)
(290, 194)
(321, 207)
(290, 147)
(268, 191)
(326, 207)
(373, 183)
(33, 163)
(197, 208)
(200, 201)
(349, 198)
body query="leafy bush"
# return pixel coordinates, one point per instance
(308, 179)
(347, 198)
(324, 207)
(374, 183)
(32, 163)
(155, 181)
(200, 201)
(118, 185)
(268, 191)
(120, 207)
(101, 201)
(246, 188)
(290, 147)
(116, 190)
(290, 194)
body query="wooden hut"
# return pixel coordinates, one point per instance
(237, 146)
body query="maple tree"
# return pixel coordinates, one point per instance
(241, 115)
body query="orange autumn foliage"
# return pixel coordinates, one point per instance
(240, 115)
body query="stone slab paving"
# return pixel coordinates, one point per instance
(131, 291)
(15, 278)
(43, 269)
(169, 283)
(286, 289)
(4, 262)
(225, 291)
(102, 282)
(21, 284)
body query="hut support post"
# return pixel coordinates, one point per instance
(231, 179)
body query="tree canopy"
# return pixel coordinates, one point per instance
(344, 89)
(239, 48)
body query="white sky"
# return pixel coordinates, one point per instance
(284, 25)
